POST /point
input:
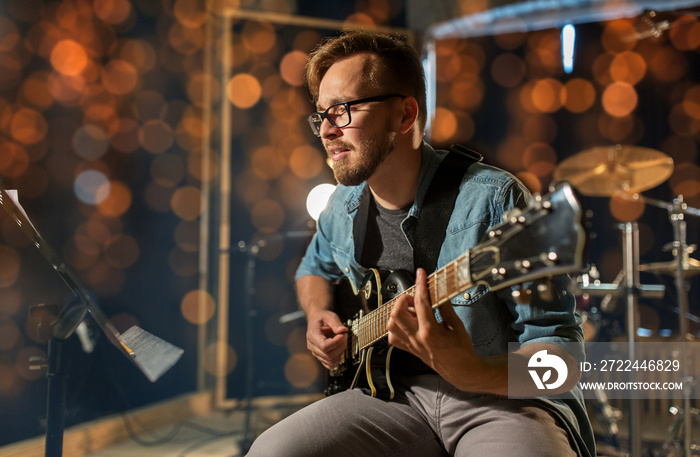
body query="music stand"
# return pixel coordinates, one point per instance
(152, 355)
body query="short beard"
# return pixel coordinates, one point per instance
(374, 153)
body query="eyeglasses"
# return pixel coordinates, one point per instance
(339, 114)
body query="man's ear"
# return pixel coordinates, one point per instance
(409, 114)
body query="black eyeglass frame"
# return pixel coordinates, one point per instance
(314, 117)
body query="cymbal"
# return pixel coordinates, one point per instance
(691, 267)
(603, 171)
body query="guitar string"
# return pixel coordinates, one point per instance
(372, 327)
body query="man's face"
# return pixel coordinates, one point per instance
(357, 150)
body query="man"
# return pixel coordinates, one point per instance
(369, 92)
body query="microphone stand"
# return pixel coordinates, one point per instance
(251, 250)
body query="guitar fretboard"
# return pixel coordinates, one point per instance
(443, 284)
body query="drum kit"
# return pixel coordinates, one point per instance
(622, 172)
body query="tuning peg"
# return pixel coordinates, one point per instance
(549, 258)
(523, 266)
(498, 273)
(38, 363)
(514, 215)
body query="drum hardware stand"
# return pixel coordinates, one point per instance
(627, 284)
(609, 416)
(630, 264)
(682, 424)
(683, 416)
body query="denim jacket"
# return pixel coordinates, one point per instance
(493, 319)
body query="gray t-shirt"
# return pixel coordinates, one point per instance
(386, 246)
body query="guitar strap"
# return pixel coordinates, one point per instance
(439, 202)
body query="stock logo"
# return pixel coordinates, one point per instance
(553, 362)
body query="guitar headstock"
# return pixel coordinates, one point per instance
(544, 240)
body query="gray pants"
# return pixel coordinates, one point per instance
(430, 418)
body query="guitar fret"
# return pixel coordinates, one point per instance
(441, 289)
(463, 274)
(450, 285)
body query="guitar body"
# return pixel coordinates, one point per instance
(370, 368)
(544, 240)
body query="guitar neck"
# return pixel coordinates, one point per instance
(443, 284)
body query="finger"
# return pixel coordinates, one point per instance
(424, 311)
(403, 311)
(329, 352)
(333, 323)
(332, 344)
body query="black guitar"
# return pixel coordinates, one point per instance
(544, 240)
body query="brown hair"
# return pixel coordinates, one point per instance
(397, 68)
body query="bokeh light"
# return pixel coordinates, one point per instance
(547, 95)
(626, 209)
(539, 159)
(190, 13)
(301, 370)
(186, 40)
(91, 187)
(628, 67)
(28, 126)
(258, 37)
(14, 160)
(292, 68)
(667, 65)
(580, 95)
(306, 162)
(156, 136)
(112, 11)
(69, 57)
(118, 200)
(119, 77)
(318, 199)
(619, 36)
(244, 90)
(467, 92)
(620, 99)
(219, 359)
(90, 142)
(186, 203)
(444, 125)
(35, 90)
(197, 306)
